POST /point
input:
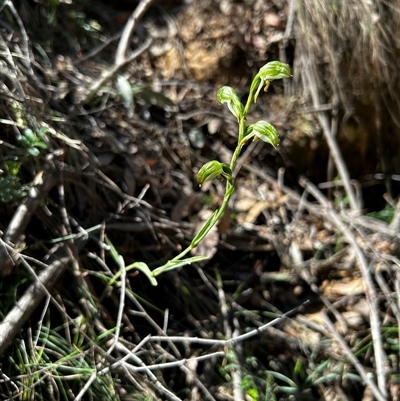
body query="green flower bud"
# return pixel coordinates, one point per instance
(262, 130)
(269, 72)
(227, 95)
(274, 70)
(213, 169)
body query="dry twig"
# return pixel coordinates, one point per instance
(370, 292)
(122, 58)
(27, 304)
(329, 131)
(16, 228)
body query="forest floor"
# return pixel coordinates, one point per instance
(107, 117)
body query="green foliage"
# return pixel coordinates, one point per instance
(386, 214)
(272, 382)
(270, 71)
(264, 131)
(53, 5)
(227, 95)
(53, 356)
(129, 92)
(31, 142)
(11, 189)
(30, 146)
(214, 169)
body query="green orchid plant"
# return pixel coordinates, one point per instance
(261, 130)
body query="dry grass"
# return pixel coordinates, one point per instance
(300, 301)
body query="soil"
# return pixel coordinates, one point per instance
(116, 170)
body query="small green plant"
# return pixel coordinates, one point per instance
(32, 142)
(30, 145)
(386, 214)
(11, 189)
(261, 130)
(67, 362)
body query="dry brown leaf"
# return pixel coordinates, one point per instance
(361, 307)
(353, 286)
(368, 395)
(316, 317)
(303, 333)
(272, 19)
(260, 206)
(214, 125)
(353, 318)
(255, 211)
(330, 394)
(245, 204)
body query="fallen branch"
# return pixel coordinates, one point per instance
(28, 303)
(121, 58)
(16, 228)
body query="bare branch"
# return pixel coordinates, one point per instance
(130, 26)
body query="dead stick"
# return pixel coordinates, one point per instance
(23, 215)
(28, 303)
(370, 293)
(110, 74)
(329, 133)
(122, 50)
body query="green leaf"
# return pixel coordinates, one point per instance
(33, 151)
(175, 264)
(227, 95)
(13, 167)
(125, 91)
(142, 267)
(29, 136)
(41, 144)
(205, 229)
(213, 169)
(113, 251)
(264, 131)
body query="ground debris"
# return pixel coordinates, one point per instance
(103, 182)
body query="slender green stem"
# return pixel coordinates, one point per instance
(242, 127)
(235, 156)
(182, 254)
(226, 94)
(230, 187)
(209, 224)
(250, 99)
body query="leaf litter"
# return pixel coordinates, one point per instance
(122, 165)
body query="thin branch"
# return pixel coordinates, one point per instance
(167, 393)
(231, 341)
(121, 57)
(28, 302)
(370, 293)
(24, 35)
(169, 365)
(329, 133)
(356, 363)
(25, 212)
(110, 74)
(235, 371)
(130, 26)
(121, 304)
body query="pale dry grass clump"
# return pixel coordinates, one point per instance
(357, 42)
